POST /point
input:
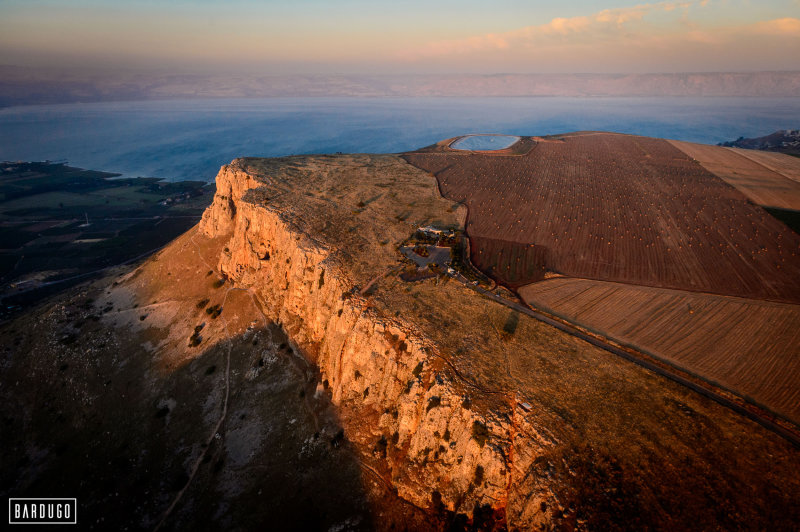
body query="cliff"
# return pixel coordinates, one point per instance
(454, 408)
(284, 365)
(390, 382)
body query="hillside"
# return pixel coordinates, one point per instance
(618, 208)
(783, 141)
(287, 363)
(659, 245)
(61, 225)
(25, 85)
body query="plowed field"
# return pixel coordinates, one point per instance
(619, 208)
(786, 165)
(752, 347)
(760, 176)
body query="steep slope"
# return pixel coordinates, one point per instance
(437, 406)
(475, 412)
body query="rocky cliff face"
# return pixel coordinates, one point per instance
(449, 400)
(454, 401)
(393, 390)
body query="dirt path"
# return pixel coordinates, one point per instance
(301, 367)
(223, 415)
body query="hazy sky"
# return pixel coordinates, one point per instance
(402, 36)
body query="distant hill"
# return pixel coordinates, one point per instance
(783, 141)
(24, 85)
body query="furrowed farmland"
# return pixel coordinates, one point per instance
(786, 165)
(745, 345)
(616, 208)
(768, 179)
(510, 263)
(660, 245)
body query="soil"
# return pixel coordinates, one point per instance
(619, 208)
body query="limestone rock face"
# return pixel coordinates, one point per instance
(383, 375)
(232, 183)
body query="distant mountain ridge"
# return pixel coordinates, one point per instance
(782, 141)
(22, 85)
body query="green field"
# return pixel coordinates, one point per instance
(45, 243)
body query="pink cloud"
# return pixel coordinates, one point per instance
(641, 35)
(603, 22)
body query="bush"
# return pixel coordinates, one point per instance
(480, 433)
(433, 402)
(214, 311)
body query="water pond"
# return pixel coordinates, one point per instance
(484, 142)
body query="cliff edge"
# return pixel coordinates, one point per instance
(287, 363)
(460, 403)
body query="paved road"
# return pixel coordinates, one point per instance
(640, 360)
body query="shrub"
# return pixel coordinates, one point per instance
(380, 446)
(478, 475)
(480, 433)
(433, 402)
(510, 327)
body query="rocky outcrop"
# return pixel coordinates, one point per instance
(394, 392)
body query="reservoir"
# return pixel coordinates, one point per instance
(484, 142)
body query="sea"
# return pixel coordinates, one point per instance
(190, 139)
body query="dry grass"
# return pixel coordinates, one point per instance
(364, 204)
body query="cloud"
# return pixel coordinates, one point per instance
(647, 37)
(781, 26)
(601, 24)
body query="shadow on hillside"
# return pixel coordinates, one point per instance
(94, 420)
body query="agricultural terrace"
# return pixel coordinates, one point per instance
(617, 208)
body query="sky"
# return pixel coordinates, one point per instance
(401, 36)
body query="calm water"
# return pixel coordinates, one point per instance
(191, 139)
(484, 142)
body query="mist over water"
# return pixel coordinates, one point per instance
(191, 139)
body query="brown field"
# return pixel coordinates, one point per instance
(749, 346)
(786, 165)
(622, 208)
(765, 179)
(509, 263)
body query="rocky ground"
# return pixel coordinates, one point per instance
(105, 399)
(267, 369)
(782, 141)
